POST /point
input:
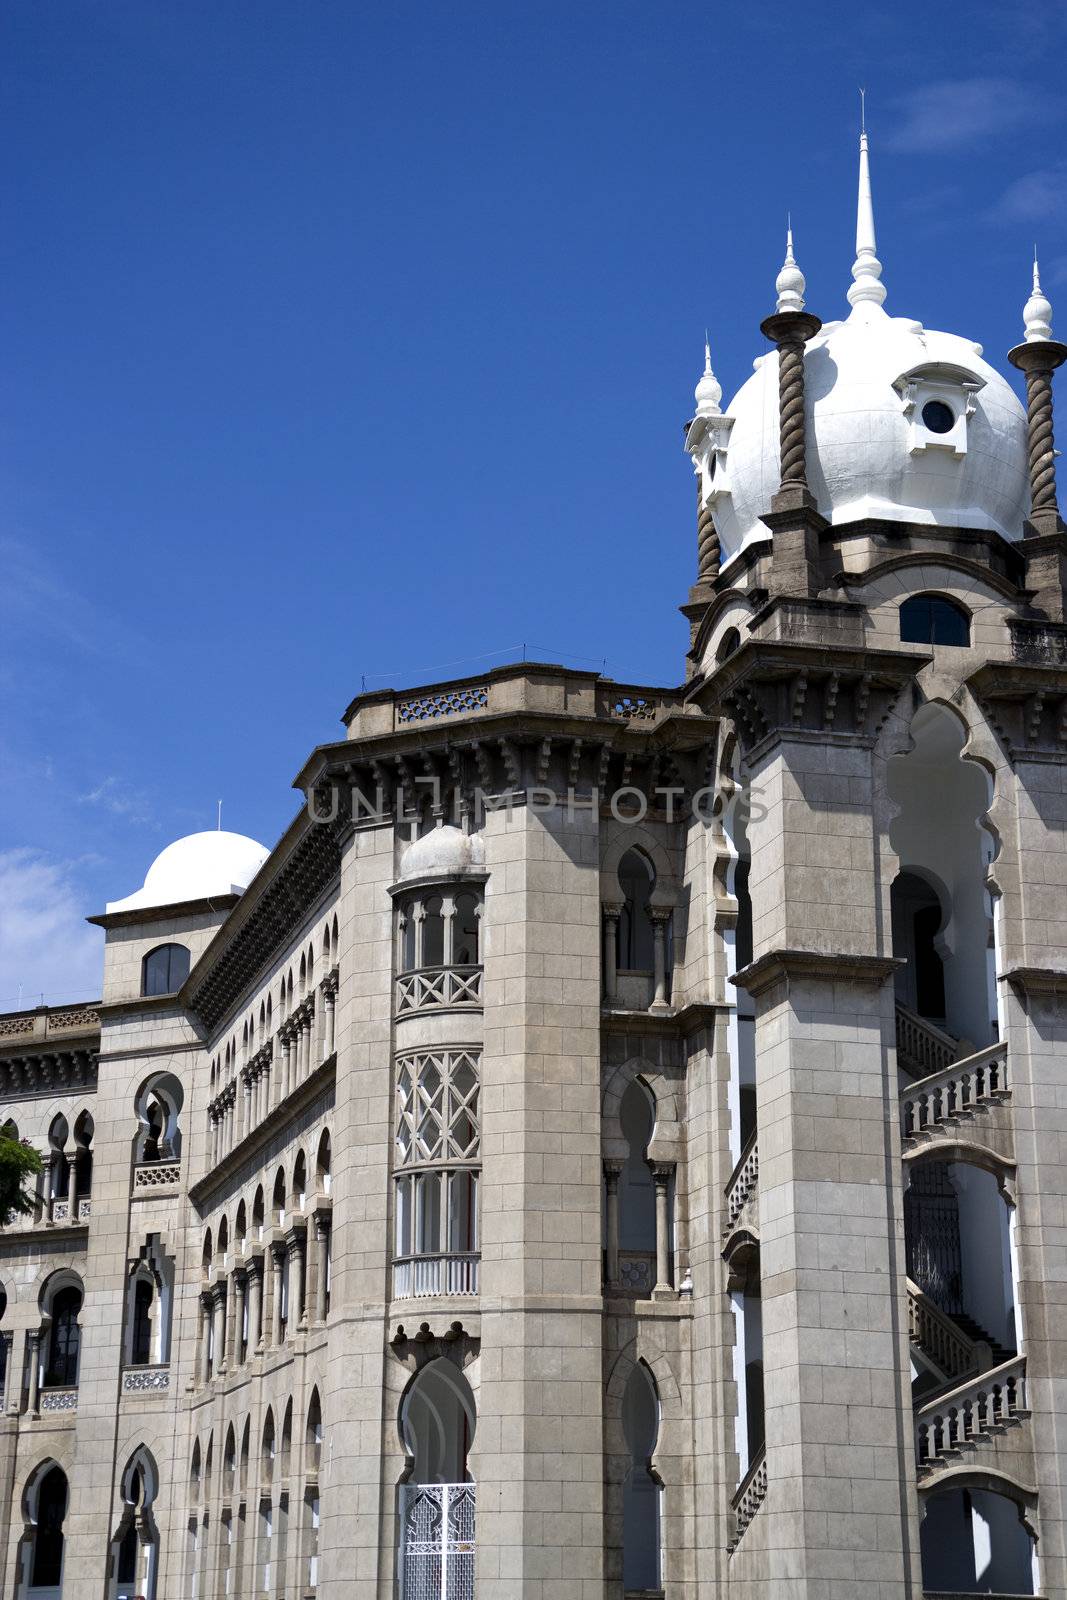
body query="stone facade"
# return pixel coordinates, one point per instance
(614, 1145)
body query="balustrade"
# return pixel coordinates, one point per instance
(923, 1047)
(936, 1334)
(438, 988)
(749, 1495)
(981, 1079)
(743, 1183)
(450, 1273)
(973, 1410)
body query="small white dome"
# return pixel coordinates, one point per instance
(861, 458)
(198, 867)
(444, 852)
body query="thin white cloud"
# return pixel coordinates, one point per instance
(955, 113)
(114, 796)
(1036, 197)
(46, 948)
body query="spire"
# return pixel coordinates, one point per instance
(866, 269)
(709, 390)
(790, 281)
(1037, 312)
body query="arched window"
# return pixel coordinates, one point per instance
(641, 1491)
(64, 1338)
(433, 933)
(164, 969)
(976, 1541)
(47, 1509)
(730, 641)
(322, 1163)
(158, 1108)
(637, 880)
(312, 1508)
(931, 619)
(465, 931)
(141, 1335)
(83, 1156)
(135, 1546)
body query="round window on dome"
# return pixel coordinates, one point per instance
(938, 417)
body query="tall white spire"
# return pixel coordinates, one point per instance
(1037, 312)
(709, 390)
(790, 281)
(866, 269)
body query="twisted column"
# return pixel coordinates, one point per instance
(1038, 360)
(708, 552)
(789, 331)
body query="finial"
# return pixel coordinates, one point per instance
(790, 281)
(708, 391)
(866, 269)
(1037, 312)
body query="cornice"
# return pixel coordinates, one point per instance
(146, 915)
(1042, 981)
(782, 966)
(323, 1078)
(904, 559)
(1026, 702)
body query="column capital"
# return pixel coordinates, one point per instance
(662, 1171)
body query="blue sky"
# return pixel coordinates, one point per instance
(347, 340)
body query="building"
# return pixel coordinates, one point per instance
(614, 1144)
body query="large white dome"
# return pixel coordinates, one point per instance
(198, 867)
(865, 455)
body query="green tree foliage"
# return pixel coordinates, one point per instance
(18, 1161)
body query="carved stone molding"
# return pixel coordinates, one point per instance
(1026, 702)
(780, 966)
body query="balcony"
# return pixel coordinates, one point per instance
(53, 1399)
(146, 1379)
(952, 1426)
(454, 988)
(152, 1177)
(453, 1273)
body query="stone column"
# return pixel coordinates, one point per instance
(33, 1358)
(659, 960)
(277, 1262)
(50, 1184)
(255, 1306)
(612, 1169)
(1046, 551)
(239, 1298)
(610, 955)
(72, 1186)
(205, 1336)
(322, 1264)
(661, 1177)
(246, 1102)
(793, 517)
(330, 1002)
(295, 1254)
(218, 1303)
(448, 920)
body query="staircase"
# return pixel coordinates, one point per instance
(952, 1428)
(922, 1047)
(954, 1345)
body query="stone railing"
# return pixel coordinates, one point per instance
(637, 1272)
(149, 1175)
(935, 1333)
(743, 1183)
(438, 989)
(981, 1079)
(83, 1210)
(922, 1047)
(145, 1380)
(749, 1495)
(58, 1399)
(976, 1408)
(46, 1023)
(442, 703)
(452, 1273)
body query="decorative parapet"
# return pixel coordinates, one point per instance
(145, 1380)
(446, 702)
(59, 1400)
(46, 1022)
(150, 1176)
(438, 989)
(979, 1080)
(749, 1496)
(972, 1411)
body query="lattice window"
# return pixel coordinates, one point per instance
(446, 703)
(634, 708)
(437, 1106)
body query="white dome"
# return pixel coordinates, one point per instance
(198, 867)
(862, 459)
(444, 852)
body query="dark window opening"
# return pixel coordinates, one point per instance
(930, 619)
(47, 1568)
(62, 1369)
(165, 969)
(938, 417)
